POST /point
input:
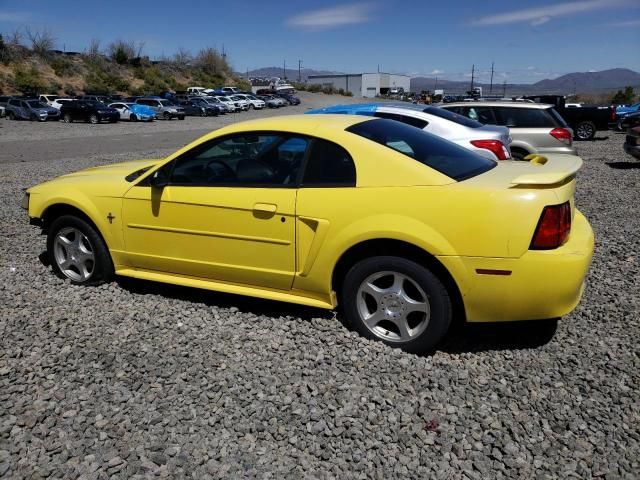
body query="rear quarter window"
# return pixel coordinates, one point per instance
(525, 117)
(452, 117)
(414, 122)
(445, 157)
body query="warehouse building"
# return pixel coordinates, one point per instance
(363, 84)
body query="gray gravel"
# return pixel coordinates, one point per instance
(135, 379)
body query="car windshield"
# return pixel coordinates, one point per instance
(36, 104)
(452, 117)
(441, 155)
(166, 103)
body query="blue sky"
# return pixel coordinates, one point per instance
(527, 40)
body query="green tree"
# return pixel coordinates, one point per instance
(623, 97)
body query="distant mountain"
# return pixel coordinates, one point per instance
(579, 82)
(590, 82)
(291, 74)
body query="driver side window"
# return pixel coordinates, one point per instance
(248, 160)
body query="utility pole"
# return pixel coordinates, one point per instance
(247, 73)
(504, 89)
(473, 71)
(224, 54)
(491, 84)
(299, 71)
(284, 69)
(435, 86)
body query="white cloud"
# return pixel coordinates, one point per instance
(11, 17)
(333, 17)
(540, 15)
(437, 72)
(626, 23)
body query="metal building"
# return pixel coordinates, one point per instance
(363, 84)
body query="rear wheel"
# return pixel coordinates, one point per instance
(181, 117)
(133, 117)
(585, 130)
(93, 119)
(66, 118)
(166, 116)
(77, 252)
(398, 302)
(11, 115)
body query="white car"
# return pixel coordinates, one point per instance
(58, 102)
(231, 105)
(490, 141)
(230, 90)
(196, 91)
(134, 112)
(254, 102)
(2, 111)
(49, 99)
(244, 104)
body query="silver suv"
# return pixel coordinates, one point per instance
(163, 108)
(534, 127)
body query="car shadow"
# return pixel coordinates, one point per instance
(462, 338)
(624, 165)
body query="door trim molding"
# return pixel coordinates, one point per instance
(232, 236)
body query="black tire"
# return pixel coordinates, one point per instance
(94, 119)
(11, 115)
(181, 117)
(437, 297)
(32, 118)
(66, 118)
(620, 126)
(166, 116)
(133, 117)
(102, 270)
(519, 154)
(585, 130)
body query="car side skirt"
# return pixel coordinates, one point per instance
(290, 296)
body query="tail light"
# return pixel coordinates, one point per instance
(553, 227)
(613, 115)
(562, 134)
(495, 146)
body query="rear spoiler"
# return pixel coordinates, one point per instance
(549, 171)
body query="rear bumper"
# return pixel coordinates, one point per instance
(556, 150)
(540, 285)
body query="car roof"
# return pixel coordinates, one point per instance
(481, 103)
(300, 123)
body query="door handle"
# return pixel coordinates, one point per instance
(265, 207)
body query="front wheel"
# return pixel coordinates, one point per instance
(585, 130)
(181, 117)
(66, 118)
(398, 302)
(77, 252)
(133, 117)
(166, 115)
(93, 119)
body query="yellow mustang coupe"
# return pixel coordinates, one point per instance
(400, 227)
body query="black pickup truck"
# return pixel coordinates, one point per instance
(585, 120)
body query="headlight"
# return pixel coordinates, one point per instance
(25, 201)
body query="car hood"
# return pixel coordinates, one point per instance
(106, 180)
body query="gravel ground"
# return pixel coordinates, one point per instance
(134, 379)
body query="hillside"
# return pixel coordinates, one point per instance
(24, 71)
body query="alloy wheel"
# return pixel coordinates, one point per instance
(73, 254)
(393, 306)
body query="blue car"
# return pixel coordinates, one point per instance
(134, 111)
(623, 111)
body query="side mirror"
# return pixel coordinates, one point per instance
(159, 179)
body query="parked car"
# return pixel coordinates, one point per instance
(534, 127)
(629, 121)
(632, 142)
(199, 107)
(134, 112)
(2, 111)
(196, 91)
(230, 90)
(88, 111)
(163, 108)
(244, 104)
(431, 229)
(584, 120)
(96, 98)
(623, 111)
(269, 101)
(490, 141)
(30, 109)
(223, 107)
(290, 99)
(253, 101)
(48, 99)
(230, 104)
(58, 102)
